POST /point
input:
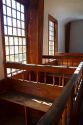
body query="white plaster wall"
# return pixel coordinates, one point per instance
(76, 36)
(64, 11)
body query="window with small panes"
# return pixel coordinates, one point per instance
(52, 35)
(14, 31)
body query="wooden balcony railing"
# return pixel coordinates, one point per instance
(56, 75)
(67, 59)
(68, 103)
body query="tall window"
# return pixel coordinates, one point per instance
(52, 35)
(14, 31)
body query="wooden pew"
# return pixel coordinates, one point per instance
(66, 109)
(44, 92)
(66, 59)
(30, 95)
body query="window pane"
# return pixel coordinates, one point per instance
(6, 41)
(9, 21)
(51, 53)
(18, 6)
(16, 41)
(22, 23)
(12, 58)
(24, 49)
(51, 47)
(16, 49)
(51, 28)
(51, 38)
(24, 41)
(24, 56)
(4, 9)
(22, 8)
(11, 41)
(7, 50)
(20, 41)
(20, 57)
(19, 32)
(11, 50)
(51, 23)
(9, 30)
(23, 33)
(8, 2)
(14, 22)
(5, 21)
(51, 43)
(22, 16)
(18, 24)
(14, 31)
(14, 4)
(24, 62)
(51, 33)
(20, 49)
(5, 29)
(7, 58)
(4, 2)
(14, 13)
(18, 15)
(8, 11)
(16, 58)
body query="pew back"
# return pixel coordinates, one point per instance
(67, 59)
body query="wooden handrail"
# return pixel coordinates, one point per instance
(41, 68)
(64, 55)
(56, 110)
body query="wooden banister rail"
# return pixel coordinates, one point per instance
(41, 68)
(55, 112)
(49, 74)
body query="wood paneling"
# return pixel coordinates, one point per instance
(35, 89)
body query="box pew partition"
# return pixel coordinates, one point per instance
(66, 59)
(65, 109)
(37, 89)
(55, 75)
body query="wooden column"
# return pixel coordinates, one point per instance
(35, 30)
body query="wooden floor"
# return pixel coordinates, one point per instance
(15, 120)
